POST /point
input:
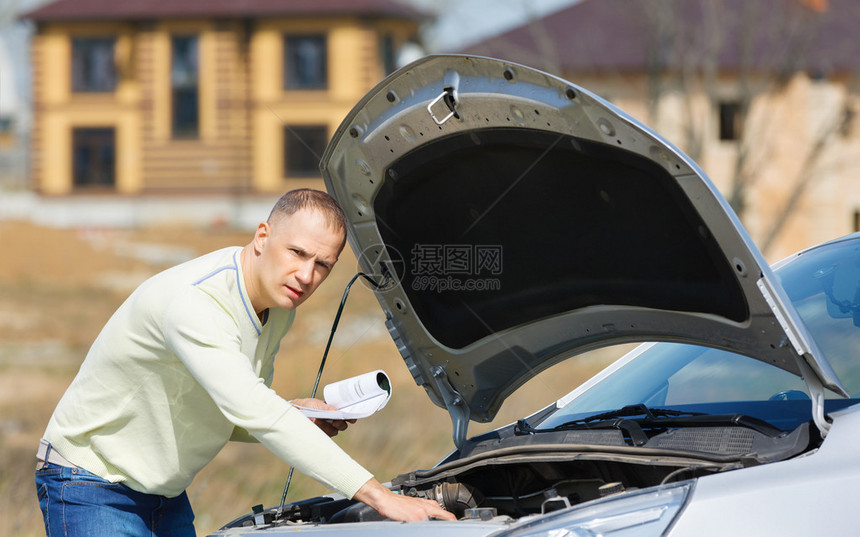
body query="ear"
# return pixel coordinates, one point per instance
(262, 234)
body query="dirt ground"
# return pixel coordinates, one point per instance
(59, 286)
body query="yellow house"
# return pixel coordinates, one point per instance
(199, 96)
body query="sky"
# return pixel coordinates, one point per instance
(462, 22)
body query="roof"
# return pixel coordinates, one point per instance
(637, 35)
(93, 10)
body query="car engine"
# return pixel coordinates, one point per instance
(507, 475)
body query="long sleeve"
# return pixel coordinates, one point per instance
(208, 347)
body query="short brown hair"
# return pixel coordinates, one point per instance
(307, 198)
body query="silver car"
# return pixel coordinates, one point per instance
(512, 220)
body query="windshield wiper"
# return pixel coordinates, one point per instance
(613, 419)
(653, 418)
(634, 410)
(633, 420)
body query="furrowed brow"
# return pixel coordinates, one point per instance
(325, 263)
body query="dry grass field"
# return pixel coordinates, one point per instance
(57, 288)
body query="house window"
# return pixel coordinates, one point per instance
(386, 51)
(93, 65)
(94, 157)
(184, 87)
(303, 147)
(305, 62)
(730, 121)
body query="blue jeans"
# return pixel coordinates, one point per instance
(75, 502)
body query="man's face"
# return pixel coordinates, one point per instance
(296, 253)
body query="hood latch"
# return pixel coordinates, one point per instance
(448, 97)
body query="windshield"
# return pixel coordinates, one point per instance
(824, 286)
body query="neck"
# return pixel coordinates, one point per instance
(246, 258)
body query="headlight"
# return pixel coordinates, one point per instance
(636, 514)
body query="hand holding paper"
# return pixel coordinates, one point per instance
(356, 397)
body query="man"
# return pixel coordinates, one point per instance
(182, 367)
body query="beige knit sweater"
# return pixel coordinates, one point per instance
(181, 366)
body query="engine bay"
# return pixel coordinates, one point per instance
(507, 477)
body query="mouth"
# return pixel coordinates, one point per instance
(294, 292)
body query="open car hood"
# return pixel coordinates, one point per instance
(516, 219)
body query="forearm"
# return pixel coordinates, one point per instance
(397, 507)
(372, 493)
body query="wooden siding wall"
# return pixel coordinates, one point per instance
(219, 159)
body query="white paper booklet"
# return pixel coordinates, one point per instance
(356, 397)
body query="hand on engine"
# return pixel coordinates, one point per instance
(398, 507)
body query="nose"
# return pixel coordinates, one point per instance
(305, 273)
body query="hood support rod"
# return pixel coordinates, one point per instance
(805, 356)
(816, 393)
(457, 407)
